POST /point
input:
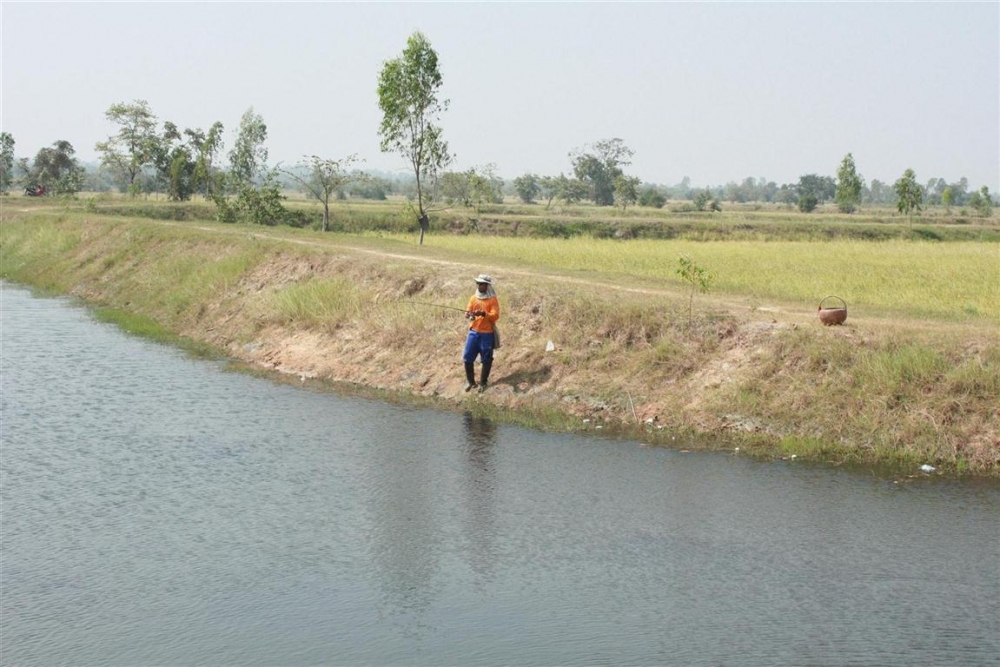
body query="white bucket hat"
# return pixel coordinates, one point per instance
(484, 278)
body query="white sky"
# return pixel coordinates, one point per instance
(714, 91)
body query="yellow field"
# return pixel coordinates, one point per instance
(954, 281)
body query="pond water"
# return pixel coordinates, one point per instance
(160, 510)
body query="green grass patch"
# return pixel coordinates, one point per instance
(145, 327)
(317, 303)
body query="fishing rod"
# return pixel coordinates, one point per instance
(438, 305)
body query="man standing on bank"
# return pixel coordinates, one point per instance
(483, 311)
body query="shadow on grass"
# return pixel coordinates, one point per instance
(522, 381)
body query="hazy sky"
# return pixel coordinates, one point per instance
(714, 91)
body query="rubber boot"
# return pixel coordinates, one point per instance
(485, 375)
(470, 375)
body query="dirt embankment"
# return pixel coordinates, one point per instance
(578, 351)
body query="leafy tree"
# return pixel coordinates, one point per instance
(812, 190)
(986, 208)
(947, 198)
(180, 174)
(982, 202)
(880, 193)
(258, 193)
(571, 190)
(808, 202)
(134, 147)
(910, 196)
(734, 193)
(548, 189)
(484, 186)
(849, 185)
(327, 178)
(934, 190)
(960, 191)
(454, 187)
(702, 199)
(652, 197)
(408, 98)
(6, 161)
(601, 167)
(786, 194)
(527, 188)
(370, 188)
(56, 169)
(626, 190)
(205, 148)
(248, 157)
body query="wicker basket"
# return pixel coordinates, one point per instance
(830, 316)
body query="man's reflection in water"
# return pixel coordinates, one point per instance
(480, 484)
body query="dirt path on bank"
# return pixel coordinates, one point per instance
(774, 312)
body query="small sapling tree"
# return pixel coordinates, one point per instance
(697, 277)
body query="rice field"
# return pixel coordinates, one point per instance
(950, 281)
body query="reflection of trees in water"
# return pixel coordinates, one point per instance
(480, 491)
(406, 545)
(422, 483)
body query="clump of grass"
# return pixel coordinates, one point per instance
(324, 303)
(901, 370)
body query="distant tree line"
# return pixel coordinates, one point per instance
(144, 156)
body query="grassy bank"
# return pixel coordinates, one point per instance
(912, 378)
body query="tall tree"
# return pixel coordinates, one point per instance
(849, 185)
(206, 148)
(909, 194)
(258, 194)
(56, 169)
(408, 98)
(6, 161)
(134, 146)
(326, 178)
(248, 157)
(601, 166)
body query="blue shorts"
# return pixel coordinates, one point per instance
(478, 344)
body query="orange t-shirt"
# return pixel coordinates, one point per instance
(485, 323)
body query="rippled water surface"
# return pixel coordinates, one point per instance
(159, 510)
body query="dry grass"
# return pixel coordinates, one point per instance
(349, 312)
